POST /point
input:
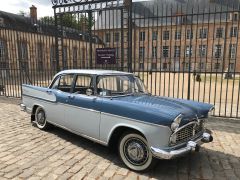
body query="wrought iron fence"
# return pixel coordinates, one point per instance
(181, 49)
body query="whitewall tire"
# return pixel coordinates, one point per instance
(134, 152)
(40, 118)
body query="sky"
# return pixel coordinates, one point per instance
(44, 7)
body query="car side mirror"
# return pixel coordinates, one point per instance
(89, 92)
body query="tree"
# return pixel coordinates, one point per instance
(22, 13)
(81, 22)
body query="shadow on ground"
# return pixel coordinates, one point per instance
(207, 164)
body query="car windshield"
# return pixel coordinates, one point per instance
(114, 85)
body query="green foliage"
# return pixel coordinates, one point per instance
(72, 21)
(22, 13)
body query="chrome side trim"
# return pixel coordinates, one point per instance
(58, 103)
(80, 134)
(68, 105)
(135, 120)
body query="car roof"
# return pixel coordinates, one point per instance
(93, 71)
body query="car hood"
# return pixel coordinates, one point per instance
(169, 108)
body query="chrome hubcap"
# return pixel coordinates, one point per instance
(41, 117)
(136, 151)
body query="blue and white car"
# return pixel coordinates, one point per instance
(114, 109)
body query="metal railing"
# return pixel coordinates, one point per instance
(180, 49)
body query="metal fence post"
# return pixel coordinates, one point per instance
(130, 36)
(56, 41)
(90, 37)
(122, 41)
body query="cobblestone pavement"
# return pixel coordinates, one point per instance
(29, 153)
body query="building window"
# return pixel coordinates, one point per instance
(75, 57)
(117, 52)
(232, 51)
(189, 34)
(107, 37)
(141, 65)
(178, 19)
(154, 66)
(219, 32)
(231, 67)
(203, 33)
(2, 50)
(165, 66)
(201, 65)
(3, 55)
(217, 66)
(188, 51)
(218, 51)
(141, 52)
(53, 57)
(1, 22)
(142, 36)
(154, 35)
(233, 32)
(23, 55)
(177, 51)
(165, 51)
(177, 35)
(154, 52)
(64, 57)
(166, 35)
(235, 17)
(23, 51)
(202, 50)
(40, 56)
(116, 37)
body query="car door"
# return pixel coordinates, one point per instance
(82, 113)
(60, 88)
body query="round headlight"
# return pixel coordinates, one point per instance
(174, 126)
(176, 122)
(211, 111)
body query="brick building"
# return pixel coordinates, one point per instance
(177, 35)
(29, 44)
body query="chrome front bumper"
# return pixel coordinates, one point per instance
(192, 145)
(25, 109)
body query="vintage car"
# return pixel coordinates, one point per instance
(114, 109)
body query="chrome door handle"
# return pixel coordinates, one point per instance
(71, 96)
(49, 92)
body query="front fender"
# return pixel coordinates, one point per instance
(123, 125)
(156, 135)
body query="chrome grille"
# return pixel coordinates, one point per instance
(189, 131)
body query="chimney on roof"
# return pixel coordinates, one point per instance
(127, 3)
(33, 13)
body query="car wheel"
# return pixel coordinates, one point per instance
(135, 153)
(40, 118)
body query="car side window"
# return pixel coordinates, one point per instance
(113, 85)
(106, 85)
(83, 85)
(64, 83)
(55, 83)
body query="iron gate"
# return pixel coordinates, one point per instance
(181, 49)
